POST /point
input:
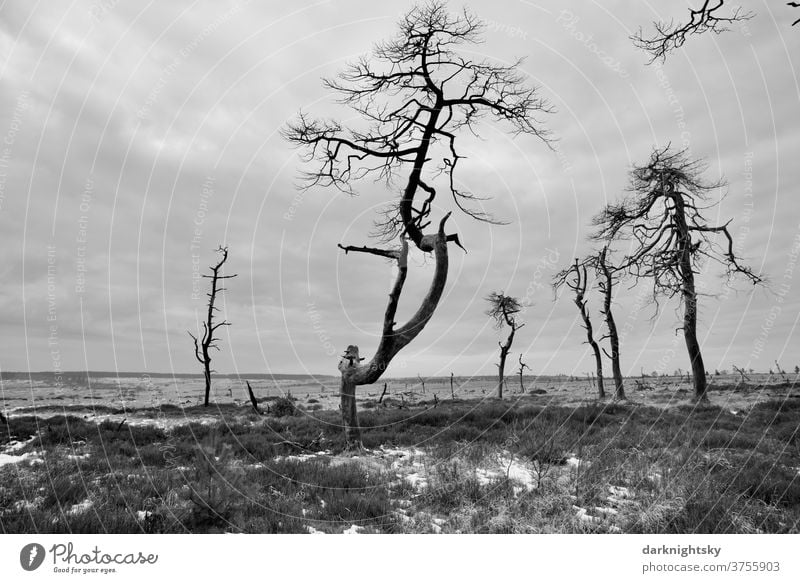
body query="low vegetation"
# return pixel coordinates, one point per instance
(459, 467)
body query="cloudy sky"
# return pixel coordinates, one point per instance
(136, 137)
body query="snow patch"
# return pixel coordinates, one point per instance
(6, 459)
(354, 529)
(574, 462)
(80, 507)
(143, 515)
(302, 457)
(17, 445)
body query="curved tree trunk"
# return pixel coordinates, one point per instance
(690, 337)
(392, 339)
(613, 336)
(689, 294)
(587, 324)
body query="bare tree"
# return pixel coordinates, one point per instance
(522, 367)
(575, 278)
(503, 310)
(607, 276)
(712, 16)
(204, 344)
(742, 374)
(662, 217)
(416, 95)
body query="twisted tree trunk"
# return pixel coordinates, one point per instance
(613, 336)
(689, 294)
(393, 339)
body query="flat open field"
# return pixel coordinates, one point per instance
(551, 461)
(44, 391)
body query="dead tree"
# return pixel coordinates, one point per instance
(252, 396)
(452, 391)
(416, 95)
(742, 374)
(606, 278)
(780, 370)
(669, 236)
(503, 310)
(204, 344)
(522, 367)
(712, 16)
(575, 278)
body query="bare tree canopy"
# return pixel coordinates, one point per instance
(713, 16)
(503, 310)
(663, 219)
(666, 192)
(415, 93)
(575, 277)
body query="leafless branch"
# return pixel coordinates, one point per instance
(710, 17)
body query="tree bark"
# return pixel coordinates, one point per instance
(352, 430)
(207, 376)
(689, 294)
(393, 339)
(598, 357)
(613, 336)
(504, 350)
(253, 400)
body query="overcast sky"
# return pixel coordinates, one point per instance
(136, 137)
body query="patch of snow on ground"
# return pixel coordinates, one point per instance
(511, 468)
(417, 481)
(80, 507)
(78, 457)
(6, 459)
(354, 529)
(312, 530)
(143, 515)
(17, 445)
(302, 457)
(574, 462)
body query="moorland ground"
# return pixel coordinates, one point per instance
(534, 462)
